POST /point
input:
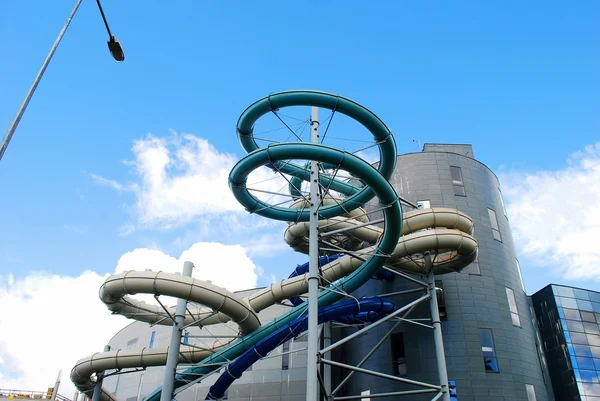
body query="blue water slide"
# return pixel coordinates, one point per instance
(381, 274)
(366, 309)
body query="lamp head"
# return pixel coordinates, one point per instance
(115, 49)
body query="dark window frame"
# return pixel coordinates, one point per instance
(457, 181)
(489, 361)
(398, 354)
(494, 224)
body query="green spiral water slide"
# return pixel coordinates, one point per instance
(278, 157)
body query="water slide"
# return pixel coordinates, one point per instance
(366, 309)
(399, 245)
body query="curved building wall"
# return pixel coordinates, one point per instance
(474, 299)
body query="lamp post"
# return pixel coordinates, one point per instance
(115, 50)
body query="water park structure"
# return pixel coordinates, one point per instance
(333, 222)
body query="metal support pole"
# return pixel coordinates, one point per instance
(99, 379)
(437, 329)
(173, 353)
(312, 384)
(327, 368)
(36, 81)
(56, 385)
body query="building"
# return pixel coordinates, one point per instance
(492, 346)
(488, 326)
(568, 320)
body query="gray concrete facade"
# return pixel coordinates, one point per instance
(475, 299)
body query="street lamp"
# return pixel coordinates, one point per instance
(113, 44)
(115, 50)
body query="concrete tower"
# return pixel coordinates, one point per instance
(489, 337)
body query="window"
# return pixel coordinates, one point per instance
(366, 392)
(452, 390)
(490, 361)
(512, 304)
(530, 392)
(398, 354)
(439, 290)
(473, 268)
(285, 357)
(424, 204)
(502, 202)
(457, 181)
(520, 274)
(131, 343)
(152, 339)
(494, 223)
(186, 337)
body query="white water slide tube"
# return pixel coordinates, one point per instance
(445, 232)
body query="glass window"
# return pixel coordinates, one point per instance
(564, 291)
(593, 339)
(588, 317)
(594, 296)
(575, 326)
(398, 354)
(591, 389)
(579, 338)
(581, 294)
(596, 307)
(186, 337)
(585, 305)
(424, 204)
(591, 328)
(588, 376)
(569, 303)
(530, 392)
(131, 343)
(457, 181)
(473, 268)
(595, 352)
(597, 363)
(582, 350)
(520, 274)
(152, 339)
(585, 363)
(572, 314)
(494, 223)
(512, 304)
(488, 350)
(502, 201)
(285, 357)
(440, 298)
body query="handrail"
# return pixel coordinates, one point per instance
(30, 394)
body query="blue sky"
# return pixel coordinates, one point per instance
(518, 80)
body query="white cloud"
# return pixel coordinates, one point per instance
(184, 178)
(126, 229)
(555, 215)
(48, 322)
(266, 245)
(112, 183)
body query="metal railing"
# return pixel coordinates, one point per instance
(29, 394)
